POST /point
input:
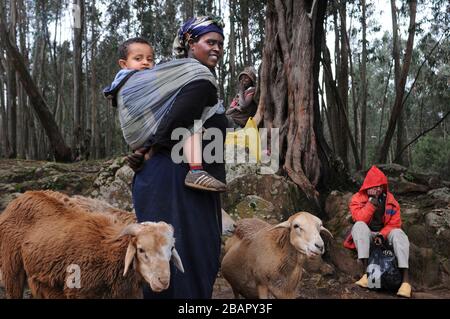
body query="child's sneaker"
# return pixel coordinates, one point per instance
(200, 179)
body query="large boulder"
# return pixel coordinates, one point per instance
(424, 266)
(113, 185)
(254, 206)
(284, 195)
(338, 218)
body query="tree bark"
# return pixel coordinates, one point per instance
(59, 148)
(12, 87)
(95, 134)
(400, 89)
(291, 57)
(246, 50)
(364, 87)
(78, 13)
(343, 84)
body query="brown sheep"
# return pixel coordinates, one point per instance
(261, 259)
(44, 239)
(96, 205)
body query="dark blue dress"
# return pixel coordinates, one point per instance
(159, 194)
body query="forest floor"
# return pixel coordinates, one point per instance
(18, 176)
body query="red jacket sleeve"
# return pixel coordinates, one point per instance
(361, 209)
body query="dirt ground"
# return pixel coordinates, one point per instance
(316, 287)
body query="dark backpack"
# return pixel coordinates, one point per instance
(382, 270)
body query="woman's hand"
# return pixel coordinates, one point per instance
(136, 160)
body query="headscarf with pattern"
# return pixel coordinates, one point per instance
(193, 29)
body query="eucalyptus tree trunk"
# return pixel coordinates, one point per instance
(400, 88)
(11, 84)
(59, 148)
(78, 14)
(343, 85)
(364, 87)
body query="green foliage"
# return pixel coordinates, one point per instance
(432, 154)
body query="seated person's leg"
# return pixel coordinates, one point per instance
(399, 240)
(361, 236)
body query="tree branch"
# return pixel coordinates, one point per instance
(420, 68)
(421, 134)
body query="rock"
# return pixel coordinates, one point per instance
(234, 171)
(438, 219)
(432, 180)
(327, 270)
(424, 266)
(6, 199)
(313, 264)
(442, 194)
(254, 206)
(405, 187)
(418, 235)
(338, 218)
(344, 259)
(113, 185)
(284, 195)
(393, 170)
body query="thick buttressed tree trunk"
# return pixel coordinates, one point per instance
(289, 89)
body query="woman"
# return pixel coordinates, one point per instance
(243, 105)
(158, 188)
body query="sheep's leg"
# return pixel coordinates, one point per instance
(14, 277)
(35, 288)
(263, 292)
(235, 293)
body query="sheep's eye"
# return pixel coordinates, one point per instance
(140, 250)
(297, 226)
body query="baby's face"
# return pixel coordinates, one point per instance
(140, 57)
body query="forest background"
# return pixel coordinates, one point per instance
(380, 71)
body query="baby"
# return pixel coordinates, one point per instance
(137, 54)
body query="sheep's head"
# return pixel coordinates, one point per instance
(152, 247)
(304, 233)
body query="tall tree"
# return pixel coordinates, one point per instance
(78, 15)
(397, 68)
(59, 148)
(289, 88)
(400, 88)
(11, 81)
(364, 86)
(343, 84)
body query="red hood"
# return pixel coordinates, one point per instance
(374, 177)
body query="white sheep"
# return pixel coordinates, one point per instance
(66, 252)
(261, 259)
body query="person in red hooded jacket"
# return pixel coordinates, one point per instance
(376, 214)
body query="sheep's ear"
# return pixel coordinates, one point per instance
(177, 260)
(132, 230)
(286, 224)
(326, 230)
(129, 257)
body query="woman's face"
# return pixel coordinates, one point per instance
(208, 50)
